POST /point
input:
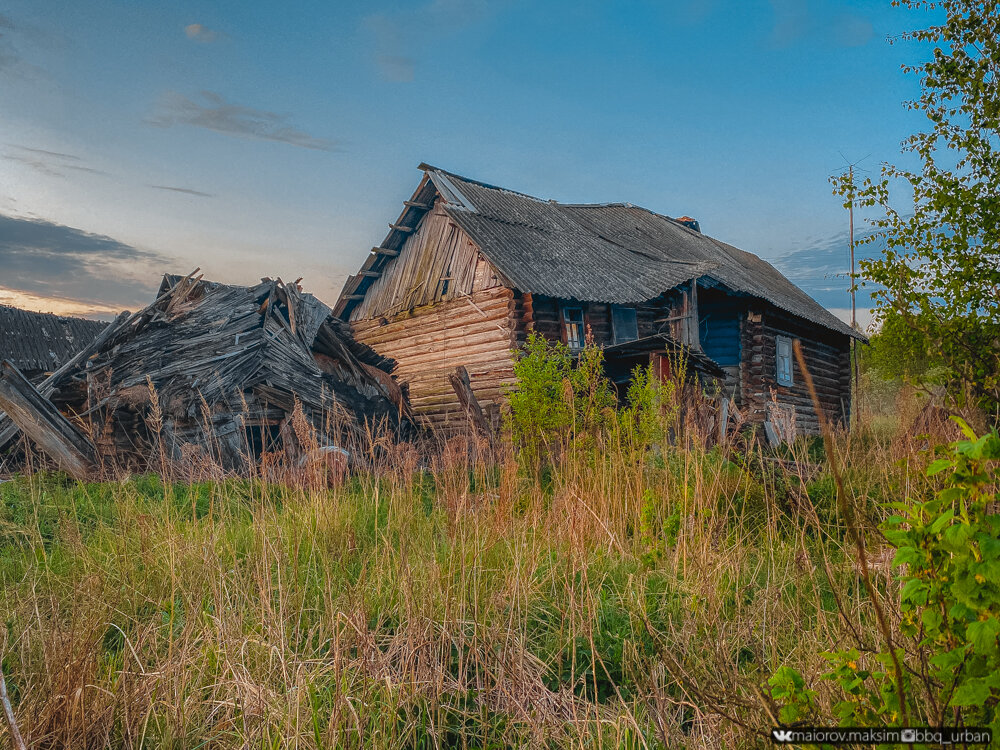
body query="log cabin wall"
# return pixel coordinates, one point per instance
(827, 356)
(429, 327)
(544, 315)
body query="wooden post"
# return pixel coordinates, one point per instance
(42, 422)
(459, 380)
(8, 711)
(694, 331)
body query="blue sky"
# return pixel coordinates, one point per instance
(254, 138)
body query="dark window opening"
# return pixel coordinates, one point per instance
(624, 324)
(573, 326)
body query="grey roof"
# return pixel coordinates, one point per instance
(42, 341)
(609, 252)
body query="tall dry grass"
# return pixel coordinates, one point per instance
(623, 597)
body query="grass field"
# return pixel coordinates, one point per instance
(625, 598)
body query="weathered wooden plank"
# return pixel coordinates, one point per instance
(36, 416)
(459, 380)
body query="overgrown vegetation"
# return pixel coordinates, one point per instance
(618, 591)
(940, 274)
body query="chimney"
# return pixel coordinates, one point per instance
(689, 223)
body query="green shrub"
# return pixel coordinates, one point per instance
(555, 398)
(948, 549)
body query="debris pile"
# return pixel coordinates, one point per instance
(210, 369)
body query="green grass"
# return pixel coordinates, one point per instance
(620, 600)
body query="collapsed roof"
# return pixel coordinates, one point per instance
(609, 252)
(227, 367)
(40, 342)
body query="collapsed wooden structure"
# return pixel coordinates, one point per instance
(37, 343)
(213, 369)
(468, 270)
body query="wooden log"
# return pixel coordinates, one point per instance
(401, 228)
(418, 204)
(463, 389)
(385, 251)
(41, 421)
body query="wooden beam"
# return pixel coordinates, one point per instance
(353, 297)
(385, 251)
(417, 204)
(41, 421)
(401, 228)
(8, 430)
(694, 323)
(459, 380)
(370, 274)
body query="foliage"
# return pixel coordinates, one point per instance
(948, 549)
(652, 407)
(556, 398)
(950, 546)
(940, 273)
(900, 352)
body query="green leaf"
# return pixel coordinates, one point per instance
(941, 521)
(964, 426)
(938, 466)
(972, 693)
(983, 635)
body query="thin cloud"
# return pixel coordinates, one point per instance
(402, 37)
(45, 152)
(822, 269)
(187, 191)
(49, 163)
(197, 32)
(8, 55)
(43, 258)
(798, 20)
(399, 68)
(213, 112)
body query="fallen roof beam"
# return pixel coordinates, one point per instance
(41, 421)
(385, 251)
(462, 385)
(8, 429)
(401, 228)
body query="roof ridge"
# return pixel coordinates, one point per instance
(429, 168)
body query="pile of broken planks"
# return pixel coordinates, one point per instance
(212, 369)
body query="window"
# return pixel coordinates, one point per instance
(784, 360)
(573, 326)
(623, 324)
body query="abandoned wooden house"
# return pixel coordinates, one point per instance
(469, 269)
(212, 369)
(37, 343)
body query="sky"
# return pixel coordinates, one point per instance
(257, 139)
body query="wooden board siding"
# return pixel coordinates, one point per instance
(827, 356)
(429, 342)
(437, 261)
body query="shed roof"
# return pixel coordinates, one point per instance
(606, 252)
(42, 341)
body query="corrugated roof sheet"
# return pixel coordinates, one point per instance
(42, 341)
(612, 252)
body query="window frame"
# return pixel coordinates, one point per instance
(615, 338)
(779, 376)
(567, 323)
